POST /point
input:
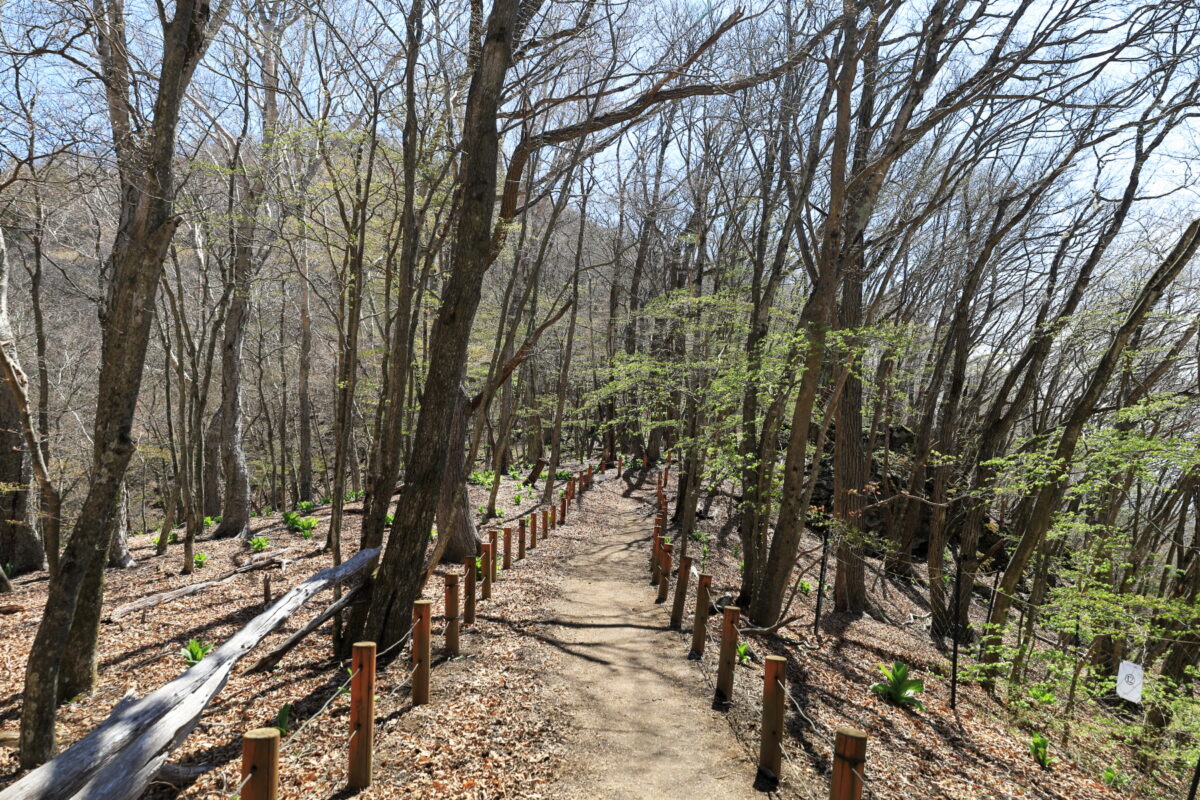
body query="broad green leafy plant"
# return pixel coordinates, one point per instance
(899, 689)
(194, 651)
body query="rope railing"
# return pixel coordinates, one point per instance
(262, 748)
(848, 745)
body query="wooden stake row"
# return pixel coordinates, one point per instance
(850, 747)
(261, 746)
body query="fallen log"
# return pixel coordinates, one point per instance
(272, 658)
(119, 759)
(259, 561)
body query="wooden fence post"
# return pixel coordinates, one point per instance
(664, 583)
(422, 651)
(533, 530)
(700, 621)
(508, 548)
(521, 539)
(620, 464)
(452, 623)
(260, 763)
(681, 584)
(770, 750)
(266, 588)
(362, 715)
(562, 512)
(656, 556)
(849, 757)
(728, 658)
(494, 539)
(485, 592)
(469, 591)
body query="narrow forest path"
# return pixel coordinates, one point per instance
(640, 723)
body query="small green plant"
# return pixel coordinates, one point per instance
(200, 559)
(353, 496)
(194, 651)
(210, 521)
(1039, 748)
(700, 536)
(478, 568)
(481, 477)
(517, 498)
(1042, 694)
(298, 524)
(390, 519)
(305, 506)
(172, 538)
(743, 652)
(704, 558)
(283, 719)
(8, 569)
(563, 475)
(899, 689)
(259, 543)
(805, 588)
(482, 511)
(1113, 777)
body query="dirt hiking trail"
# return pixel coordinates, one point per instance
(640, 723)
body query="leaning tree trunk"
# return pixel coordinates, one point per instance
(389, 611)
(457, 536)
(146, 224)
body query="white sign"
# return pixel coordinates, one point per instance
(1129, 682)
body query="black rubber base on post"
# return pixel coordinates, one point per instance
(765, 781)
(721, 702)
(694, 656)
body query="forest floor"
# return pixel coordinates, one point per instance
(569, 685)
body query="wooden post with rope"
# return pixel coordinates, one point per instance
(260, 764)
(485, 592)
(681, 585)
(362, 715)
(700, 621)
(770, 749)
(469, 591)
(452, 622)
(728, 657)
(508, 548)
(664, 583)
(656, 556)
(521, 539)
(494, 540)
(422, 651)
(849, 757)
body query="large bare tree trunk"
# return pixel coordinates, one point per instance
(393, 591)
(145, 161)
